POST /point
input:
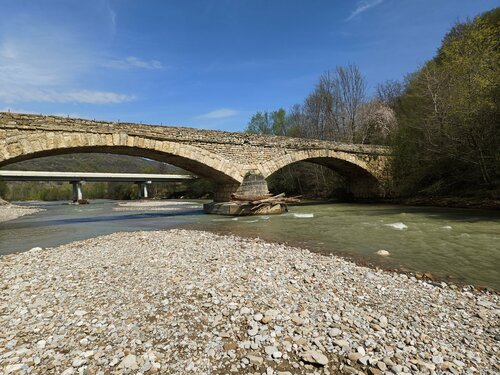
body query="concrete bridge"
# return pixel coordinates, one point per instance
(76, 179)
(236, 162)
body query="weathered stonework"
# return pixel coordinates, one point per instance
(227, 158)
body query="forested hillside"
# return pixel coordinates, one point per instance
(448, 139)
(95, 163)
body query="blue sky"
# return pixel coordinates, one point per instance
(205, 63)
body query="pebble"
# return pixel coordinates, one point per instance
(334, 332)
(354, 356)
(258, 317)
(342, 343)
(270, 350)
(315, 357)
(78, 362)
(255, 360)
(129, 363)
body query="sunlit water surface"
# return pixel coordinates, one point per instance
(463, 244)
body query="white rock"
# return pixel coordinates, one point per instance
(270, 350)
(334, 332)
(41, 344)
(245, 311)
(78, 362)
(383, 253)
(129, 362)
(258, 317)
(10, 369)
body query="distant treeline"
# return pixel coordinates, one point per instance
(52, 191)
(441, 121)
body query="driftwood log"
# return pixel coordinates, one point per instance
(249, 198)
(257, 203)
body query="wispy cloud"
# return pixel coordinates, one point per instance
(51, 67)
(112, 15)
(53, 96)
(363, 6)
(40, 61)
(218, 114)
(133, 62)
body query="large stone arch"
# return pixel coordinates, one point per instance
(363, 172)
(201, 162)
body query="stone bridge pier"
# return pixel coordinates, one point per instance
(252, 184)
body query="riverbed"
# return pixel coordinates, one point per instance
(463, 245)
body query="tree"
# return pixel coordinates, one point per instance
(336, 108)
(390, 93)
(377, 122)
(260, 123)
(272, 123)
(352, 91)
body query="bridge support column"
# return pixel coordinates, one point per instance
(252, 185)
(77, 191)
(223, 192)
(143, 189)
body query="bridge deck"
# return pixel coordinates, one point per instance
(90, 177)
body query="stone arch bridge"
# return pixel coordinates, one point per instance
(234, 161)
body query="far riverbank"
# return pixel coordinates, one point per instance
(9, 211)
(449, 202)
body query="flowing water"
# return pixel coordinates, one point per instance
(462, 244)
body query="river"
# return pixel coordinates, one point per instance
(463, 245)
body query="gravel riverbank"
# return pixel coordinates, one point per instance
(175, 302)
(9, 211)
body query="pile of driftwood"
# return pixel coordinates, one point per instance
(265, 204)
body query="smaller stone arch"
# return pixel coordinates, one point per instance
(363, 172)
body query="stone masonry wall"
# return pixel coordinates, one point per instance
(236, 146)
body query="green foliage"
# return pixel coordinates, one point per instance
(448, 137)
(273, 123)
